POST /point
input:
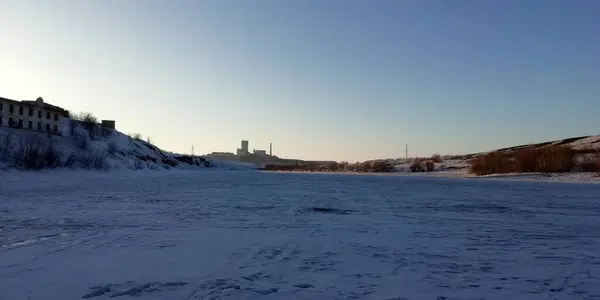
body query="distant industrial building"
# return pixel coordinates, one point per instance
(243, 154)
(243, 151)
(260, 152)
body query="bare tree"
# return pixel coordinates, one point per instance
(86, 117)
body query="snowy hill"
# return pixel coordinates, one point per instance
(84, 145)
(581, 144)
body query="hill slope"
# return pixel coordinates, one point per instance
(87, 146)
(582, 143)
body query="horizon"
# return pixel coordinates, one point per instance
(343, 81)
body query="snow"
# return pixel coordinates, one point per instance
(81, 143)
(234, 165)
(257, 235)
(592, 142)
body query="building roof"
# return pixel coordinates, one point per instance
(34, 103)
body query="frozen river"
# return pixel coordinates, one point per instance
(253, 235)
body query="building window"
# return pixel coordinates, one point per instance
(48, 127)
(11, 122)
(55, 117)
(1, 106)
(55, 128)
(20, 110)
(40, 113)
(1, 119)
(11, 108)
(20, 123)
(39, 125)
(31, 112)
(48, 115)
(30, 125)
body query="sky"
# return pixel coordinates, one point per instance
(332, 80)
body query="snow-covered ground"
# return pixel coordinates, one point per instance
(255, 235)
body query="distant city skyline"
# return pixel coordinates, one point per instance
(322, 80)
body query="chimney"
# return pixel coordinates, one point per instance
(270, 149)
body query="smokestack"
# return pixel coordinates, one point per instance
(270, 149)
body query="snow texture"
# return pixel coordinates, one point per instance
(255, 235)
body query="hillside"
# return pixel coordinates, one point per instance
(84, 145)
(585, 158)
(582, 144)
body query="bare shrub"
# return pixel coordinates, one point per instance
(417, 166)
(70, 161)
(89, 122)
(5, 146)
(429, 166)
(85, 117)
(112, 148)
(94, 130)
(29, 153)
(52, 156)
(92, 161)
(137, 136)
(34, 153)
(558, 159)
(436, 158)
(546, 159)
(589, 164)
(491, 163)
(82, 141)
(381, 167)
(343, 165)
(527, 160)
(149, 140)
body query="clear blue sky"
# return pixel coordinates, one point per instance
(342, 80)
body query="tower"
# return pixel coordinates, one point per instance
(406, 151)
(245, 146)
(270, 149)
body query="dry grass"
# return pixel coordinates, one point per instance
(553, 159)
(436, 158)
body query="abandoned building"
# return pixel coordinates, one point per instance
(34, 115)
